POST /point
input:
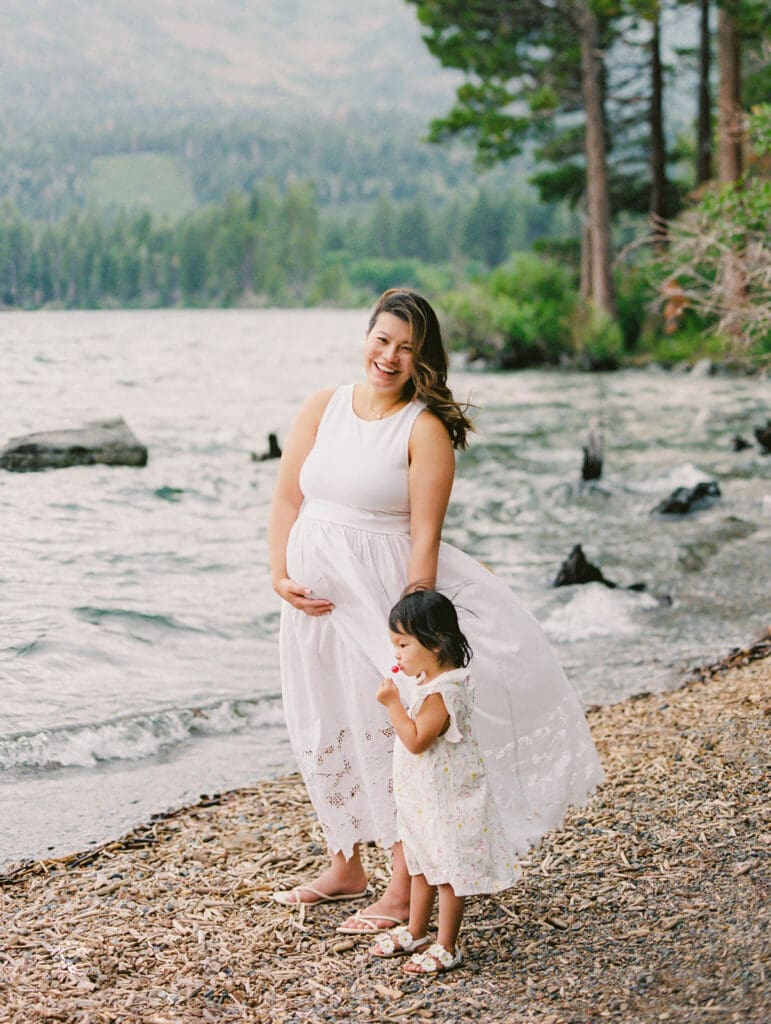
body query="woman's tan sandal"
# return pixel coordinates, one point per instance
(435, 960)
(362, 923)
(397, 942)
(293, 897)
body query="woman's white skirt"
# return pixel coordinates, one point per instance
(535, 740)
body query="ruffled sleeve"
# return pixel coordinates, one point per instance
(457, 693)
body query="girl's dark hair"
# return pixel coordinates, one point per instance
(429, 376)
(431, 618)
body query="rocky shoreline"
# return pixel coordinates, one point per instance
(648, 905)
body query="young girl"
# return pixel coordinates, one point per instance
(449, 825)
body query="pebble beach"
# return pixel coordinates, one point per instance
(650, 904)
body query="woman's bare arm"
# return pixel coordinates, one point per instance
(287, 499)
(431, 473)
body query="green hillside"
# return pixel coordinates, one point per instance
(140, 181)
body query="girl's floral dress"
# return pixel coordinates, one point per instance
(447, 818)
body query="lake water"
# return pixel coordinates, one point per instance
(138, 629)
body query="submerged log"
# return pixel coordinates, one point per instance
(686, 499)
(109, 442)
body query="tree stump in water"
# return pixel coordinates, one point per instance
(592, 464)
(763, 436)
(273, 452)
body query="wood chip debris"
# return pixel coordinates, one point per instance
(649, 905)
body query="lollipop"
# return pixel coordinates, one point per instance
(395, 668)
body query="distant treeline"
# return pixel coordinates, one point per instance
(266, 246)
(352, 162)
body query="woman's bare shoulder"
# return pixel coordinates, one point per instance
(314, 405)
(429, 431)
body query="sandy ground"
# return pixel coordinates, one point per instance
(649, 905)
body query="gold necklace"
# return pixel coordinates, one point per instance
(380, 415)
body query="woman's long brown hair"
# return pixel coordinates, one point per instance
(429, 376)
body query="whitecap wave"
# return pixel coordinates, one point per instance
(597, 611)
(134, 737)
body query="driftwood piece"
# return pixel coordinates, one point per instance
(110, 442)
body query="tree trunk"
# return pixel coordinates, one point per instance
(730, 117)
(730, 132)
(597, 202)
(586, 259)
(704, 123)
(659, 198)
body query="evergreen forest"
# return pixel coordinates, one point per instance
(598, 192)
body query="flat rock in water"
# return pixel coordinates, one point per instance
(110, 442)
(685, 499)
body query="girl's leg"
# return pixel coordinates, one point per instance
(450, 917)
(422, 896)
(394, 903)
(341, 877)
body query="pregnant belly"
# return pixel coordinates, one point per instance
(315, 557)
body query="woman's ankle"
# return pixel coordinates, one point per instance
(344, 879)
(397, 891)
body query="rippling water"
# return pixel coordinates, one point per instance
(138, 663)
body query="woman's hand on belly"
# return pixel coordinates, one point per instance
(299, 597)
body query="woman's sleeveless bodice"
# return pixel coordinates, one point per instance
(360, 463)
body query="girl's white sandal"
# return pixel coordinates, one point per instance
(435, 960)
(397, 942)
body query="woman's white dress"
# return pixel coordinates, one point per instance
(351, 544)
(447, 817)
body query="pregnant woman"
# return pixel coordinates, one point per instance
(357, 515)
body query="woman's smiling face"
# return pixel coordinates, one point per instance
(388, 358)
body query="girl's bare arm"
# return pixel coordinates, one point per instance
(431, 720)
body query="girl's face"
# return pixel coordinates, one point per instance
(412, 657)
(388, 360)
